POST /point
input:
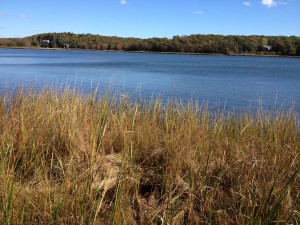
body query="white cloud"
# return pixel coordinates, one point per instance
(22, 16)
(268, 3)
(123, 2)
(3, 14)
(199, 12)
(247, 3)
(272, 3)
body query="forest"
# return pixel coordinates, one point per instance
(196, 43)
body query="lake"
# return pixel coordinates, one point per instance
(237, 82)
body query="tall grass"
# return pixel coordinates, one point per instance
(71, 158)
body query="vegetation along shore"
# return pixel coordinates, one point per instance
(197, 43)
(73, 158)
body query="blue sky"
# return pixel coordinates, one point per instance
(150, 18)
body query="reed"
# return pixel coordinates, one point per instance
(73, 158)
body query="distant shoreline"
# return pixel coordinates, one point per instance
(149, 52)
(198, 44)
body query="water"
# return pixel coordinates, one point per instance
(232, 81)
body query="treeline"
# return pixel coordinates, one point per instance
(217, 44)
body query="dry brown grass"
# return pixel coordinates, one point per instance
(69, 158)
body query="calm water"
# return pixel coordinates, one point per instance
(233, 81)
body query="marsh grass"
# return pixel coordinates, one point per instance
(73, 158)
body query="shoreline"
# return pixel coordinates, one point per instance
(152, 52)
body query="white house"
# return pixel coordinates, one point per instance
(45, 42)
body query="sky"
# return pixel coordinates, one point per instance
(150, 18)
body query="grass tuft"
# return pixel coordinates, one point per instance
(73, 158)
